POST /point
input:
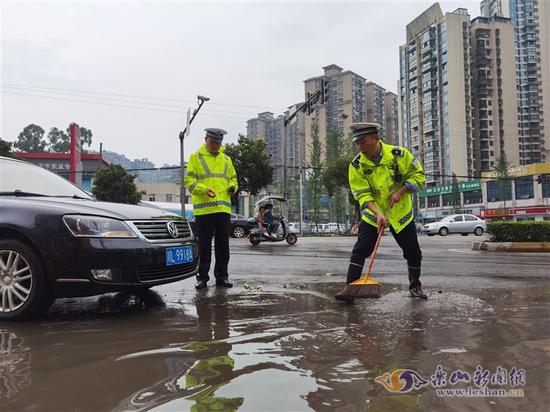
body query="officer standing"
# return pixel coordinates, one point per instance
(381, 177)
(212, 180)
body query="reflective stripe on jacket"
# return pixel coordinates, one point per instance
(205, 170)
(375, 183)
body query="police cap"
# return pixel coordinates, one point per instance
(215, 134)
(361, 130)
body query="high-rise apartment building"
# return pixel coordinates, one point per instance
(493, 88)
(530, 19)
(346, 104)
(457, 93)
(376, 106)
(434, 93)
(491, 8)
(351, 99)
(269, 128)
(392, 118)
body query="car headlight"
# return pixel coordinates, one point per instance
(96, 226)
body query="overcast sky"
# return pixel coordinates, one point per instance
(129, 70)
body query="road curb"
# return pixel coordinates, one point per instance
(541, 247)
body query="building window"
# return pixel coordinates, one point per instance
(473, 197)
(169, 197)
(546, 189)
(433, 201)
(496, 189)
(152, 197)
(524, 188)
(446, 199)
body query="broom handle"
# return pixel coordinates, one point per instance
(373, 255)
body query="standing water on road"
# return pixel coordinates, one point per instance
(274, 348)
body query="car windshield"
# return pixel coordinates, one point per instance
(447, 218)
(26, 179)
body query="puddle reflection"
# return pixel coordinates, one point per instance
(239, 350)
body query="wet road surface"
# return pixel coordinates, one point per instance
(279, 342)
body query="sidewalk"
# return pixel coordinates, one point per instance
(540, 247)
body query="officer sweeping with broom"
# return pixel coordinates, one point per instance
(381, 178)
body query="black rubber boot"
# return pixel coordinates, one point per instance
(415, 286)
(354, 273)
(341, 297)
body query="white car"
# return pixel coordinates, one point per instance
(463, 224)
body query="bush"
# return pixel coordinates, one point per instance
(519, 231)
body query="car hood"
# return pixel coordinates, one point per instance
(92, 207)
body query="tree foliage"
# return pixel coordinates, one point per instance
(85, 136)
(31, 139)
(114, 184)
(335, 174)
(5, 148)
(314, 183)
(503, 172)
(455, 195)
(58, 141)
(251, 161)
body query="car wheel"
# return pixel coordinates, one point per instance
(478, 231)
(24, 292)
(238, 232)
(291, 238)
(443, 231)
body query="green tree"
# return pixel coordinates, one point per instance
(251, 162)
(455, 195)
(503, 172)
(314, 183)
(335, 174)
(114, 184)
(31, 139)
(85, 136)
(5, 148)
(59, 141)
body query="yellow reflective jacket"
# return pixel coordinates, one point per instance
(205, 170)
(375, 183)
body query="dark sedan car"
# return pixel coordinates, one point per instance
(57, 241)
(239, 226)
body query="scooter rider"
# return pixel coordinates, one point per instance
(383, 176)
(268, 218)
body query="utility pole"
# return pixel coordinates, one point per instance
(301, 200)
(182, 135)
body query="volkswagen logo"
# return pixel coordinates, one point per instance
(172, 229)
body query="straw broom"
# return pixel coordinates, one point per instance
(366, 287)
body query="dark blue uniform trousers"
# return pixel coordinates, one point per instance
(215, 225)
(366, 240)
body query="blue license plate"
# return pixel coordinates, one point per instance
(179, 255)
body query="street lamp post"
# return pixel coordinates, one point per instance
(182, 135)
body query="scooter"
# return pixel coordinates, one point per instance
(257, 235)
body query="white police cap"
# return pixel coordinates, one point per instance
(215, 134)
(360, 130)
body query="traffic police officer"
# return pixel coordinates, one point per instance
(212, 180)
(381, 177)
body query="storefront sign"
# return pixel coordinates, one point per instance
(469, 186)
(516, 211)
